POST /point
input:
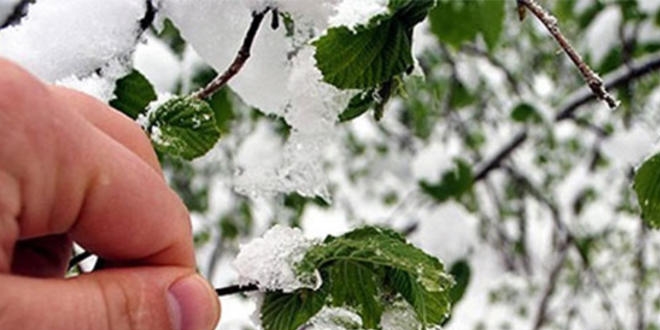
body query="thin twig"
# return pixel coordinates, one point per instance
(590, 77)
(542, 312)
(234, 289)
(616, 79)
(78, 259)
(621, 77)
(240, 59)
(496, 161)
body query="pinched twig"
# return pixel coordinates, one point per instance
(234, 289)
(594, 82)
(242, 57)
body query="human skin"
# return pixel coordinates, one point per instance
(74, 170)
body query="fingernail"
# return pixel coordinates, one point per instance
(193, 306)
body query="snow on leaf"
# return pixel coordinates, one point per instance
(183, 127)
(373, 53)
(269, 261)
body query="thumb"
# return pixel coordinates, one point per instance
(113, 299)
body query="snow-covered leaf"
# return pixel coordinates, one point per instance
(183, 127)
(133, 93)
(371, 54)
(360, 260)
(647, 187)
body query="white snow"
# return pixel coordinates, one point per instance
(352, 13)
(269, 261)
(59, 39)
(156, 61)
(335, 318)
(602, 34)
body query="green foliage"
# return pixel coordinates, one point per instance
(374, 53)
(526, 113)
(183, 127)
(360, 270)
(288, 311)
(453, 183)
(461, 272)
(133, 93)
(358, 105)
(647, 187)
(458, 21)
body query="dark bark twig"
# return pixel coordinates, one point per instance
(234, 289)
(594, 82)
(542, 313)
(240, 59)
(76, 260)
(497, 160)
(619, 78)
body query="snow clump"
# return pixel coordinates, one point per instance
(269, 261)
(61, 39)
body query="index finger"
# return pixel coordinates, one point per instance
(73, 178)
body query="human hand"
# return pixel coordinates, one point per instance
(72, 169)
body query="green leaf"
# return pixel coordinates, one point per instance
(360, 261)
(223, 109)
(454, 183)
(355, 284)
(526, 113)
(373, 53)
(133, 93)
(432, 307)
(288, 311)
(458, 21)
(358, 105)
(647, 187)
(183, 127)
(461, 273)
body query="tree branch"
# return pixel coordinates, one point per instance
(542, 312)
(497, 160)
(621, 77)
(594, 82)
(240, 59)
(617, 79)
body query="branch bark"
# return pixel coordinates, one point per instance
(240, 59)
(594, 82)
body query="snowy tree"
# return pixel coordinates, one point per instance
(479, 131)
